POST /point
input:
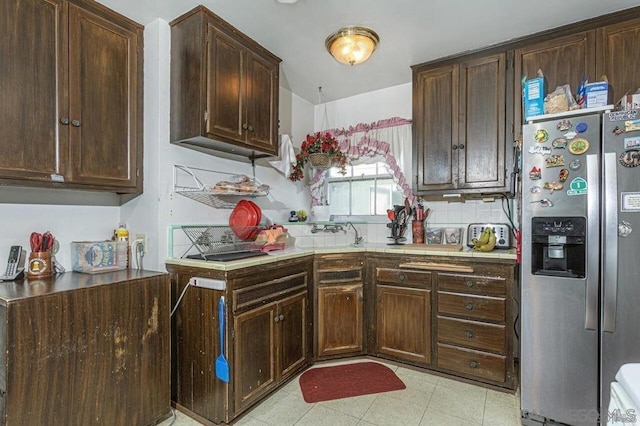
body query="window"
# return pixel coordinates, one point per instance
(366, 190)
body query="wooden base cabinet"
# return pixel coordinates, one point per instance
(267, 336)
(403, 314)
(340, 305)
(82, 349)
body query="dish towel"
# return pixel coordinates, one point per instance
(287, 156)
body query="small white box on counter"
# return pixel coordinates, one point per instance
(94, 257)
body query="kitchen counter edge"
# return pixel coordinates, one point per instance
(295, 252)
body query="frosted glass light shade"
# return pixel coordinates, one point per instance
(352, 45)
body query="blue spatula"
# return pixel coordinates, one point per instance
(222, 367)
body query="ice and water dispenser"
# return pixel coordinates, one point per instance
(558, 246)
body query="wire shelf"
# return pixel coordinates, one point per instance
(223, 194)
(210, 240)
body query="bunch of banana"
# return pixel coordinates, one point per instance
(487, 240)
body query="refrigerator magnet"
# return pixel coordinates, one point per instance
(581, 127)
(563, 175)
(617, 131)
(630, 158)
(570, 135)
(535, 189)
(553, 186)
(578, 146)
(632, 143)
(541, 136)
(632, 125)
(559, 143)
(555, 160)
(545, 202)
(564, 125)
(539, 149)
(575, 165)
(578, 186)
(535, 173)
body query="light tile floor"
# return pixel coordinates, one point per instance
(428, 400)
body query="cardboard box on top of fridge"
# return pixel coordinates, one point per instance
(533, 92)
(596, 94)
(630, 101)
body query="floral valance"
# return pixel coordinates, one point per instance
(387, 140)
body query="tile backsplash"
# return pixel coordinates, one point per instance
(443, 215)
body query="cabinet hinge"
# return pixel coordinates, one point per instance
(206, 116)
(233, 333)
(137, 172)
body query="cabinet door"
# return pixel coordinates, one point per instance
(340, 315)
(617, 47)
(292, 320)
(404, 323)
(33, 83)
(226, 89)
(262, 104)
(481, 125)
(254, 354)
(103, 101)
(565, 60)
(435, 128)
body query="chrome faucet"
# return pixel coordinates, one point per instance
(358, 238)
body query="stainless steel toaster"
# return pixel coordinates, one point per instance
(502, 230)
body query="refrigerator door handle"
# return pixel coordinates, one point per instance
(610, 243)
(593, 243)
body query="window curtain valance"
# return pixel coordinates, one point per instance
(388, 141)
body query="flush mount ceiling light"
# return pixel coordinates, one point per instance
(352, 45)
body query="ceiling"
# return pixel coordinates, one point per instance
(411, 32)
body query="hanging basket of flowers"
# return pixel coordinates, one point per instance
(320, 151)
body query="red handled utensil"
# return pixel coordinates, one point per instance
(35, 240)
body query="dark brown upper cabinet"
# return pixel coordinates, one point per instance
(617, 58)
(564, 60)
(459, 126)
(224, 88)
(71, 77)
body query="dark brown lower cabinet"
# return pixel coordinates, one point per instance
(404, 323)
(82, 349)
(267, 336)
(270, 344)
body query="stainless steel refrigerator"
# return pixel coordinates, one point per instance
(580, 275)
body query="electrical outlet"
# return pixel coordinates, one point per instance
(142, 237)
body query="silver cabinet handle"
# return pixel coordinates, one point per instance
(276, 318)
(469, 283)
(245, 126)
(610, 242)
(469, 306)
(250, 127)
(469, 334)
(461, 146)
(474, 364)
(454, 147)
(75, 123)
(64, 120)
(281, 317)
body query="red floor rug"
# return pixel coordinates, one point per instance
(344, 381)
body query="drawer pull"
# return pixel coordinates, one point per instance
(474, 364)
(469, 306)
(469, 334)
(469, 283)
(402, 277)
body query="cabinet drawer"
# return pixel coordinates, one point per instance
(477, 335)
(471, 362)
(403, 277)
(342, 275)
(471, 306)
(490, 286)
(260, 294)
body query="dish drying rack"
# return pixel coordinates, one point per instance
(214, 240)
(214, 195)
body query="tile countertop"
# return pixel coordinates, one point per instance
(294, 252)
